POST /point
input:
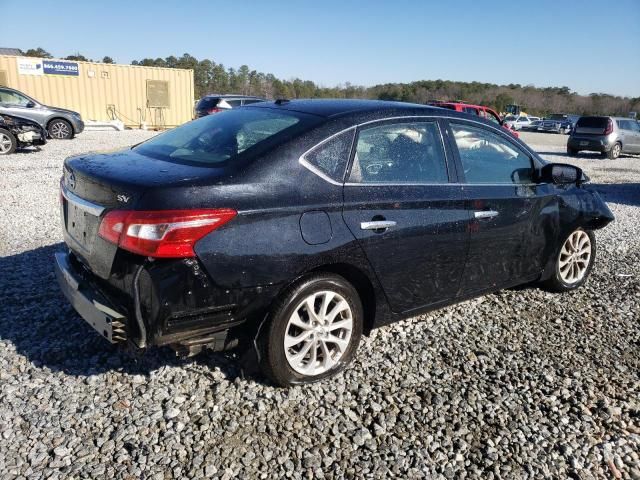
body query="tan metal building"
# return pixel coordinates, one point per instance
(136, 95)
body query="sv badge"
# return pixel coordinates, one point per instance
(122, 198)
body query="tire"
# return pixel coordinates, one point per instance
(561, 280)
(572, 152)
(8, 142)
(60, 129)
(286, 366)
(615, 151)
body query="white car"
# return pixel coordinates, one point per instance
(517, 122)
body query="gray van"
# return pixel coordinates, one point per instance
(608, 135)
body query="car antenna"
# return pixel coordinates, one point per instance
(281, 101)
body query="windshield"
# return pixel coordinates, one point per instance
(216, 139)
(509, 118)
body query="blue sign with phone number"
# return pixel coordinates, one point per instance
(60, 68)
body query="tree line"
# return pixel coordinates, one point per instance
(212, 77)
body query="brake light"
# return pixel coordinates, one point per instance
(213, 110)
(609, 128)
(162, 233)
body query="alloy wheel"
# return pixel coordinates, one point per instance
(5, 143)
(616, 150)
(318, 333)
(59, 130)
(574, 257)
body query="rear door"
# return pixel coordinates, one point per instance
(635, 128)
(402, 204)
(507, 241)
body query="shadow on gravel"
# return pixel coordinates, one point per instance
(623, 193)
(39, 322)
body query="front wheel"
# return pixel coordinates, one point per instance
(60, 129)
(313, 331)
(574, 261)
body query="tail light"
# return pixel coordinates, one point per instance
(609, 128)
(214, 110)
(162, 233)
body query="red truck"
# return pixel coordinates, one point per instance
(480, 110)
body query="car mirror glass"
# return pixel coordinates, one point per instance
(561, 174)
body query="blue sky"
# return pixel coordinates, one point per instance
(589, 46)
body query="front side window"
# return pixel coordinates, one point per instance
(12, 98)
(410, 152)
(331, 157)
(488, 158)
(216, 139)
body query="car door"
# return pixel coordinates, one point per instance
(628, 136)
(507, 241)
(635, 129)
(403, 206)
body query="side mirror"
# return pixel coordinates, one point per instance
(561, 174)
(30, 104)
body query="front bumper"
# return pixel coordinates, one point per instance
(92, 306)
(78, 125)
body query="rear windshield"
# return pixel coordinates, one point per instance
(207, 103)
(217, 139)
(593, 122)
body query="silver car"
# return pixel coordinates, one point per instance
(608, 135)
(58, 122)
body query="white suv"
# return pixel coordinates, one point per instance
(517, 122)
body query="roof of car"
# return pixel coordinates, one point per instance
(337, 107)
(230, 95)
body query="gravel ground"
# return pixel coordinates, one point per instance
(518, 384)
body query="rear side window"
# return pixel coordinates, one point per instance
(216, 139)
(234, 103)
(331, 156)
(399, 153)
(488, 158)
(593, 122)
(207, 102)
(473, 111)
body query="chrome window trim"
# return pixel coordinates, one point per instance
(498, 129)
(310, 166)
(81, 203)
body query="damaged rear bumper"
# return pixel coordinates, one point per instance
(92, 306)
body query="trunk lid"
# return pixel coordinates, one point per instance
(93, 184)
(592, 125)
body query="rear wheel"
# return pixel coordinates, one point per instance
(60, 129)
(615, 151)
(8, 142)
(313, 331)
(574, 261)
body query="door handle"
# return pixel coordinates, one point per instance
(485, 214)
(377, 225)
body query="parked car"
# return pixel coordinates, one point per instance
(17, 132)
(58, 122)
(296, 226)
(219, 103)
(558, 123)
(534, 126)
(479, 110)
(608, 135)
(518, 122)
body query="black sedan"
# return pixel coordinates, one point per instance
(293, 227)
